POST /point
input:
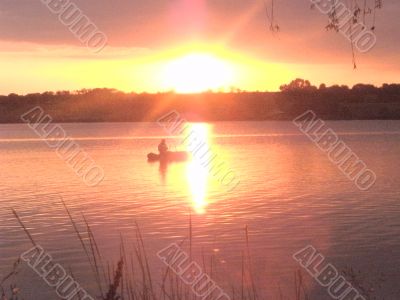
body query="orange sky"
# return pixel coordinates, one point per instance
(187, 45)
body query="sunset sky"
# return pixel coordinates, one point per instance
(158, 45)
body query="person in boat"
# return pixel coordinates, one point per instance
(163, 148)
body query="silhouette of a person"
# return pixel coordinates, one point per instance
(162, 147)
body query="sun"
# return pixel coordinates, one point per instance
(197, 72)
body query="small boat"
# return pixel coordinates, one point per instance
(168, 157)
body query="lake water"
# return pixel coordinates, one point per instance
(289, 196)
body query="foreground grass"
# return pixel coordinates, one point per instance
(131, 279)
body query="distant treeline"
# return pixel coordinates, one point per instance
(107, 105)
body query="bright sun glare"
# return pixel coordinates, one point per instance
(196, 73)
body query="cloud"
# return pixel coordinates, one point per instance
(28, 49)
(134, 26)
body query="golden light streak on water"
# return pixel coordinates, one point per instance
(197, 140)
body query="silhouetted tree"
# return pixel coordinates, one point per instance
(364, 88)
(363, 101)
(298, 85)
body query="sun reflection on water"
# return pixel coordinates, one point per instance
(197, 141)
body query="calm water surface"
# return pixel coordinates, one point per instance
(290, 195)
